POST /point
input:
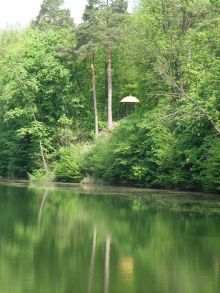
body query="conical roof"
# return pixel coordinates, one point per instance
(130, 99)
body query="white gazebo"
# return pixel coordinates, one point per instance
(128, 102)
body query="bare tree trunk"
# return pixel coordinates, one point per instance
(205, 113)
(91, 269)
(109, 72)
(94, 93)
(106, 85)
(199, 107)
(107, 263)
(42, 152)
(43, 157)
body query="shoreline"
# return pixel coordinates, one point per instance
(104, 188)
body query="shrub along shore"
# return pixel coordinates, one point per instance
(140, 153)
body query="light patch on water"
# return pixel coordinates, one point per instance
(126, 268)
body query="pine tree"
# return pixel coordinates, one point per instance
(90, 9)
(52, 16)
(111, 16)
(87, 44)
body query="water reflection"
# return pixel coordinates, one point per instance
(63, 241)
(92, 262)
(126, 268)
(107, 263)
(44, 198)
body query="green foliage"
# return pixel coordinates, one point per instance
(69, 165)
(52, 16)
(166, 53)
(39, 102)
(133, 154)
(211, 167)
(40, 175)
(145, 152)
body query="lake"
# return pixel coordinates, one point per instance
(103, 239)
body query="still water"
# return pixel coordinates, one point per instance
(66, 239)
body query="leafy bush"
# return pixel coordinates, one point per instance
(132, 154)
(211, 179)
(41, 175)
(145, 153)
(69, 165)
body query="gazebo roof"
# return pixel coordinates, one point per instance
(130, 99)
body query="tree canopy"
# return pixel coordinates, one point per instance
(53, 16)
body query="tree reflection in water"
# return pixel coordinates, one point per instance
(58, 240)
(91, 269)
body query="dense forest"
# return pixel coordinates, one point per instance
(61, 85)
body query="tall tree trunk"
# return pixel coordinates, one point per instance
(109, 73)
(42, 152)
(106, 85)
(94, 93)
(109, 69)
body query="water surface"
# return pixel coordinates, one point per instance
(65, 239)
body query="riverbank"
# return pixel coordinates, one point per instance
(105, 189)
(192, 203)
